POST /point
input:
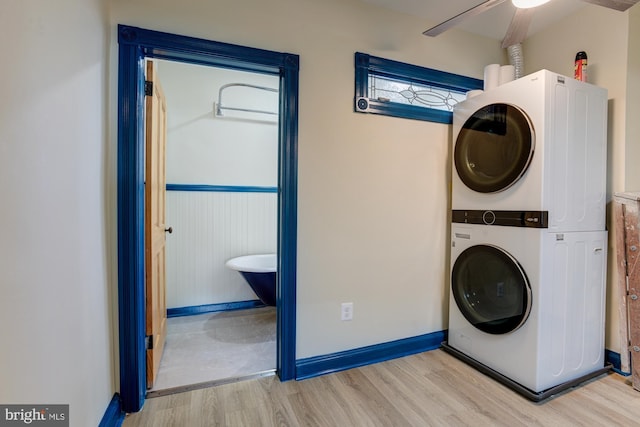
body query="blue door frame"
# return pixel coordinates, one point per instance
(136, 44)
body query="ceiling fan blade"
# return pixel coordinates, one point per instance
(518, 27)
(476, 10)
(620, 5)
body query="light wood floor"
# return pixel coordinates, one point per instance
(428, 389)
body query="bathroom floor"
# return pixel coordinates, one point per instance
(214, 347)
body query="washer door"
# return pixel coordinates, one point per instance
(494, 148)
(491, 289)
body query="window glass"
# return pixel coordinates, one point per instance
(397, 89)
(400, 91)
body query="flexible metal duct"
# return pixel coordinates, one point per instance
(516, 59)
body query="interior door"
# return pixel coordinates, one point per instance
(155, 187)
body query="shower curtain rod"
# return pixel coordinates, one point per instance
(220, 107)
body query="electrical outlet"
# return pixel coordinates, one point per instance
(346, 312)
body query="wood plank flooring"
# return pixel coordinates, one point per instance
(427, 389)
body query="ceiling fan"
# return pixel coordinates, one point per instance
(519, 25)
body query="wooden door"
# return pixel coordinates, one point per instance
(155, 187)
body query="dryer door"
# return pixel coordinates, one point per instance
(494, 148)
(491, 289)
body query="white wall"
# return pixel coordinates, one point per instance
(239, 148)
(611, 43)
(632, 145)
(373, 193)
(57, 250)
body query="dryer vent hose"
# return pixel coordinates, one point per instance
(516, 59)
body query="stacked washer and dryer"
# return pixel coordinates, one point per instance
(528, 239)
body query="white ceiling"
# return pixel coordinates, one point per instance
(492, 23)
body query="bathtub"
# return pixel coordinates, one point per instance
(260, 273)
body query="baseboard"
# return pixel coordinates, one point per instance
(614, 359)
(114, 415)
(320, 365)
(212, 308)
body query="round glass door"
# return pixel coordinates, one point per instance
(491, 289)
(494, 148)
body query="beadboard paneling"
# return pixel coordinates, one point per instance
(209, 228)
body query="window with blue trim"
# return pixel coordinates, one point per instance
(392, 88)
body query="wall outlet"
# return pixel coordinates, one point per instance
(346, 312)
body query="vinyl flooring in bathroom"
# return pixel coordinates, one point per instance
(216, 347)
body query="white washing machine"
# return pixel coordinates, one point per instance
(537, 144)
(528, 303)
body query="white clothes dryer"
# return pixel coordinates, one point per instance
(528, 304)
(536, 144)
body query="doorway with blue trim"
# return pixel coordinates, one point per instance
(136, 45)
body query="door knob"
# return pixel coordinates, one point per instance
(169, 230)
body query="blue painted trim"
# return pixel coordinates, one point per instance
(287, 219)
(135, 44)
(221, 188)
(326, 364)
(366, 64)
(157, 44)
(114, 415)
(213, 308)
(614, 358)
(133, 385)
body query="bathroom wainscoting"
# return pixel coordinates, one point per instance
(210, 226)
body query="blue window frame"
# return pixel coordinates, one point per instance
(393, 88)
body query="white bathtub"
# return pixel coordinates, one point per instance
(262, 263)
(260, 273)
